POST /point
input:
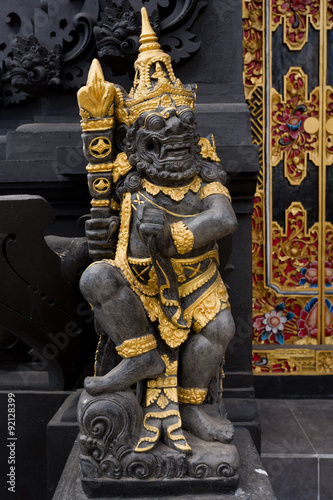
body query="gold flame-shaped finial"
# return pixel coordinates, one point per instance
(95, 71)
(148, 38)
(96, 99)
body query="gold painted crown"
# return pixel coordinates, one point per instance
(155, 84)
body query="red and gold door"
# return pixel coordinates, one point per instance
(288, 78)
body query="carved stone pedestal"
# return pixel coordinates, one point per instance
(194, 474)
(110, 425)
(253, 481)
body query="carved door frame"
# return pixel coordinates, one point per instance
(290, 95)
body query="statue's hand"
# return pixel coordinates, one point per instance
(101, 237)
(153, 227)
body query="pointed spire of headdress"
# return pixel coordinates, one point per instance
(148, 38)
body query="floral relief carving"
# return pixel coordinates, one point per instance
(329, 125)
(295, 126)
(285, 362)
(293, 248)
(272, 324)
(329, 19)
(295, 15)
(252, 45)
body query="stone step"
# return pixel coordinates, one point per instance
(39, 140)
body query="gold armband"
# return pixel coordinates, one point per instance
(182, 237)
(214, 188)
(135, 347)
(193, 396)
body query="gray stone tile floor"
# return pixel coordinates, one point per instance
(297, 447)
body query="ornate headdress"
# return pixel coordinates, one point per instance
(155, 83)
(154, 86)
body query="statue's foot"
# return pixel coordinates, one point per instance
(196, 421)
(128, 372)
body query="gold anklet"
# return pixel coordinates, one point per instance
(193, 396)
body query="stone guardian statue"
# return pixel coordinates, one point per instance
(161, 308)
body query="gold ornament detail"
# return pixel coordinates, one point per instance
(197, 282)
(253, 33)
(164, 209)
(101, 185)
(208, 305)
(99, 203)
(329, 18)
(100, 147)
(114, 205)
(208, 148)
(163, 390)
(161, 383)
(175, 193)
(96, 100)
(325, 362)
(285, 362)
(120, 167)
(214, 188)
(147, 443)
(135, 347)
(182, 237)
(171, 334)
(329, 125)
(121, 259)
(193, 396)
(292, 248)
(99, 167)
(293, 362)
(295, 126)
(295, 21)
(95, 125)
(190, 283)
(212, 254)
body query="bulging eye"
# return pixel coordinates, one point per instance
(187, 117)
(155, 122)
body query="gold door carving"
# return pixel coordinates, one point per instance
(288, 81)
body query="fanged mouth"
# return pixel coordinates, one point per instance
(177, 150)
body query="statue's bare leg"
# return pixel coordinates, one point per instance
(201, 357)
(122, 317)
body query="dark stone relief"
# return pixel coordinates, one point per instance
(49, 46)
(33, 68)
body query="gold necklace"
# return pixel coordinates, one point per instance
(175, 193)
(164, 209)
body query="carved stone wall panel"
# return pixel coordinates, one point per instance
(68, 35)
